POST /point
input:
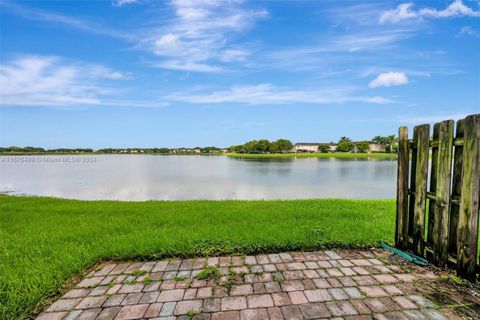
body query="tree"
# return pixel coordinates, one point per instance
(344, 139)
(379, 140)
(281, 145)
(390, 142)
(236, 148)
(387, 142)
(274, 147)
(250, 147)
(363, 146)
(324, 148)
(263, 145)
(345, 146)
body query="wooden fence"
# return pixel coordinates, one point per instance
(439, 220)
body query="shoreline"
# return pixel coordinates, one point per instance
(316, 155)
(231, 155)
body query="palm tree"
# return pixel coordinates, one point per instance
(379, 139)
(344, 139)
(391, 139)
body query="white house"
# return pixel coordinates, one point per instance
(309, 147)
(312, 147)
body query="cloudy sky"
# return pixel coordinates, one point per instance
(145, 73)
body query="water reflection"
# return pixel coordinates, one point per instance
(144, 177)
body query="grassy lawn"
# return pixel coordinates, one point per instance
(44, 242)
(317, 155)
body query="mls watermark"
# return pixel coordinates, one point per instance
(47, 159)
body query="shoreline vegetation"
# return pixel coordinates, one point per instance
(380, 155)
(356, 155)
(48, 242)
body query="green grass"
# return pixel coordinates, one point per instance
(45, 242)
(316, 155)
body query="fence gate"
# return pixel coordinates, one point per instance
(438, 204)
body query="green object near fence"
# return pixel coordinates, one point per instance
(408, 256)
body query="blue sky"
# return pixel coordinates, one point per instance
(144, 73)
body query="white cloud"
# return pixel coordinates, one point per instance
(467, 31)
(405, 11)
(265, 93)
(56, 18)
(49, 81)
(352, 42)
(119, 3)
(389, 79)
(350, 51)
(401, 12)
(187, 66)
(368, 41)
(455, 9)
(200, 37)
(229, 55)
(98, 71)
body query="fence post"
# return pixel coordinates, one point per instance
(443, 169)
(467, 235)
(456, 190)
(431, 236)
(422, 138)
(401, 230)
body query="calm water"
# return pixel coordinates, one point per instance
(144, 177)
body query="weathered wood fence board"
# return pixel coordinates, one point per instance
(441, 223)
(421, 136)
(441, 204)
(467, 236)
(401, 230)
(456, 191)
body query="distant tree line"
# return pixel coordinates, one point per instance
(14, 149)
(263, 146)
(161, 150)
(133, 150)
(38, 150)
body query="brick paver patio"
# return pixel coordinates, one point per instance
(295, 285)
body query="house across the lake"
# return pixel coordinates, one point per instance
(375, 147)
(311, 147)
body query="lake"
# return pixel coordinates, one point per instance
(155, 177)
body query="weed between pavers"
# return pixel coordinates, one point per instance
(231, 280)
(179, 278)
(210, 272)
(138, 273)
(454, 279)
(278, 279)
(147, 280)
(132, 281)
(112, 282)
(191, 314)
